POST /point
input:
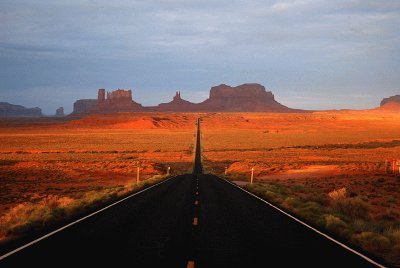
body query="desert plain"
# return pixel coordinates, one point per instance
(331, 168)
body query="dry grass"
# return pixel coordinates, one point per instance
(26, 217)
(86, 161)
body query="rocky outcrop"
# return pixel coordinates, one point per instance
(176, 105)
(11, 110)
(85, 106)
(393, 100)
(243, 98)
(223, 98)
(60, 112)
(119, 100)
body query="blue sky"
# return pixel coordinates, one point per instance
(311, 54)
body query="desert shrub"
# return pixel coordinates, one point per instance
(256, 188)
(320, 199)
(291, 202)
(336, 225)
(272, 196)
(310, 210)
(352, 207)
(298, 188)
(361, 225)
(26, 216)
(338, 194)
(270, 192)
(393, 233)
(277, 188)
(390, 216)
(29, 216)
(372, 241)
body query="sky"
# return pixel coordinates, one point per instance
(312, 54)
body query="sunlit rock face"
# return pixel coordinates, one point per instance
(176, 105)
(393, 100)
(243, 98)
(223, 98)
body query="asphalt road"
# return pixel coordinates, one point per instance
(156, 229)
(195, 218)
(197, 166)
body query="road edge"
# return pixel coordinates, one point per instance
(309, 226)
(2, 257)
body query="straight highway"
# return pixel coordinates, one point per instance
(192, 220)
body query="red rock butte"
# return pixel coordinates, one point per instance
(391, 103)
(223, 98)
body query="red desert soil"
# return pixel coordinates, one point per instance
(37, 154)
(317, 152)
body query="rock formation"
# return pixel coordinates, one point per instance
(60, 112)
(11, 110)
(393, 100)
(223, 98)
(243, 98)
(176, 105)
(84, 106)
(119, 100)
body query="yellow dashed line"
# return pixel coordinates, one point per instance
(190, 264)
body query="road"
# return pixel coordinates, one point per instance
(197, 166)
(195, 218)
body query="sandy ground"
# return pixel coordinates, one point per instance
(69, 156)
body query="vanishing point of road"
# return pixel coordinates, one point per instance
(193, 220)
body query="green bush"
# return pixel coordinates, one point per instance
(292, 202)
(372, 241)
(393, 234)
(360, 225)
(310, 210)
(321, 199)
(256, 188)
(336, 225)
(352, 208)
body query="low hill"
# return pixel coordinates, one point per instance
(11, 110)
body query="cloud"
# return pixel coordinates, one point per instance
(283, 6)
(192, 45)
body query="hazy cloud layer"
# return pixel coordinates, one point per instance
(310, 53)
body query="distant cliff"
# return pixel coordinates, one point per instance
(84, 106)
(176, 105)
(243, 98)
(393, 100)
(60, 112)
(223, 98)
(10, 110)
